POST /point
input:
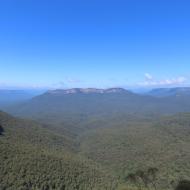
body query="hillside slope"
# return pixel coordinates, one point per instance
(127, 147)
(35, 158)
(165, 92)
(76, 106)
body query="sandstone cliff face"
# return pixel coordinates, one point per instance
(87, 91)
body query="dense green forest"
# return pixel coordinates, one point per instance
(34, 158)
(127, 147)
(96, 142)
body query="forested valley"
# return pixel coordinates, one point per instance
(90, 141)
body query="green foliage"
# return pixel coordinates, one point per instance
(183, 185)
(146, 179)
(96, 141)
(35, 158)
(1, 130)
(127, 146)
(64, 107)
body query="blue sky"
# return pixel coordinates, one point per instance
(96, 43)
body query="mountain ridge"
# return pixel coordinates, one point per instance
(74, 106)
(87, 91)
(165, 92)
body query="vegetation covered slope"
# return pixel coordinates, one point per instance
(33, 157)
(165, 92)
(126, 147)
(77, 107)
(95, 136)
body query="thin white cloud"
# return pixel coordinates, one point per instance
(12, 85)
(148, 76)
(72, 80)
(58, 85)
(150, 81)
(66, 83)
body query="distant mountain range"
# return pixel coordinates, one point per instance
(8, 97)
(76, 105)
(87, 91)
(164, 92)
(93, 138)
(15, 96)
(158, 92)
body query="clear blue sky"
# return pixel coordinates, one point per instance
(97, 43)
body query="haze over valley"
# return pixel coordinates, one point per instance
(94, 95)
